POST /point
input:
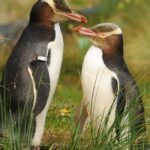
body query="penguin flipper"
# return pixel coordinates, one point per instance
(40, 76)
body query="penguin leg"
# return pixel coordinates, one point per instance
(41, 82)
(81, 117)
(39, 130)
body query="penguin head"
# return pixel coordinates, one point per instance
(54, 11)
(106, 36)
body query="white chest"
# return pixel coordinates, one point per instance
(97, 83)
(94, 69)
(56, 49)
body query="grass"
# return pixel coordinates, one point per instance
(63, 134)
(58, 127)
(14, 138)
(133, 16)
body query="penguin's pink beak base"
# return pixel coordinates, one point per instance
(85, 31)
(76, 17)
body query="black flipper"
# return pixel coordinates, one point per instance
(41, 79)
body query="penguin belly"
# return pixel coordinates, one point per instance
(56, 55)
(97, 88)
(54, 67)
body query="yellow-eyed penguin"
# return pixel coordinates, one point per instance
(32, 70)
(107, 83)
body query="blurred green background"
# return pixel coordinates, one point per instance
(132, 15)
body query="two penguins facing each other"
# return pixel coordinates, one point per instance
(36, 61)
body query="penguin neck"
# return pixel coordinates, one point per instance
(113, 57)
(95, 56)
(44, 23)
(112, 48)
(114, 61)
(113, 54)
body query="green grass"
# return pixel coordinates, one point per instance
(133, 16)
(59, 128)
(61, 133)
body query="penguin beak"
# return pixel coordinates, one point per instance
(85, 31)
(75, 16)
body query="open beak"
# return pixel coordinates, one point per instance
(85, 31)
(76, 17)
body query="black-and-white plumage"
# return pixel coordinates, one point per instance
(32, 70)
(106, 81)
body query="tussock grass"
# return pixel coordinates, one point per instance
(134, 17)
(17, 132)
(63, 133)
